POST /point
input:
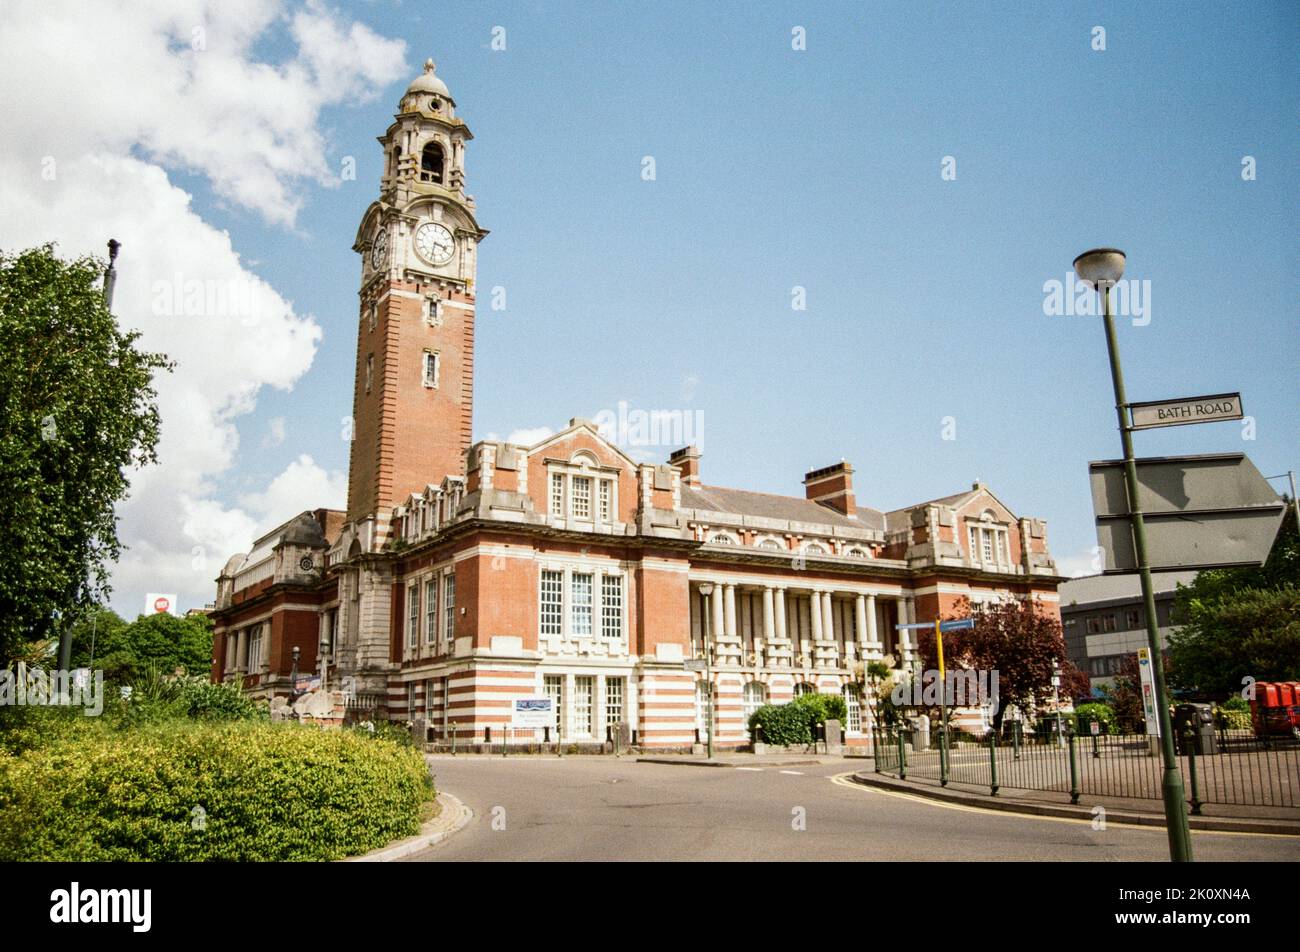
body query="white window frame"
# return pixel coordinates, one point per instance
(449, 607)
(550, 611)
(553, 687)
(432, 309)
(580, 497)
(581, 605)
(431, 610)
(584, 705)
(254, 660)
(605, 500)
(615, 700)
(611, 607)
(431, 369)
(412, 614)
(751, 703)
(557, 494)
(852, 708)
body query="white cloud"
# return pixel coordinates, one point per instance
(1087, 562)
(177, 82)
(302, 485)
(107, 97)
(275, 430)
(529, 435)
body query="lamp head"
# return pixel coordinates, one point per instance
(1104, 265)
(706, 589)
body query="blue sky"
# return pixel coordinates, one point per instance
(820, 168)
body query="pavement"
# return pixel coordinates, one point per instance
(780, 807)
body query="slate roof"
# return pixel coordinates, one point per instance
(743, 502)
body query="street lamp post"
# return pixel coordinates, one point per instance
(1102, 267)
(293, 675)
(706, 589)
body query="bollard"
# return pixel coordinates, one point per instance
(943, 755)
(505, 738)
(1096, 754)
(993, 764)
(453, 738)
(1191, 767)
(1015, 737)
(1074, 773)
(875, 748)
(902, 757)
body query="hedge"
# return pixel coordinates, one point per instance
(209, 791)
(789, 725)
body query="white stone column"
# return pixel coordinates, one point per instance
(769, 627)
(873, 635)
(780, 614)
(715, 603)
(905, 642)
(815, 613)
(241, 652)
(828, 617)
(730, 611)
(860, 622)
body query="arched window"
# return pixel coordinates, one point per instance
(856, 553)
(721, 538)
(770, 544)
(804, 687)
(755, 697)
(814, 549)
(431, 163)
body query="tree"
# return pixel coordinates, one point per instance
(1018, 640)
(152, 643)
(77, 411)
(1240, 623)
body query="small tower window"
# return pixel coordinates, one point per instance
(397, 160)
(431, 163)
(372, 315)
(433, 310)
(431, 369)
(370, 370)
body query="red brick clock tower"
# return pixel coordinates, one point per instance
(413, 402)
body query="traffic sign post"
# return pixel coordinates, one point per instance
(955, 624)
(1102, 267)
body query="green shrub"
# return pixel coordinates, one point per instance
(793, 724)
(823, 707)
(394, 731)
(1103, 714)
(782, 724)
(242, 790)
(1235, 702)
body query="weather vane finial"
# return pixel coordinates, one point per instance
(428, 66)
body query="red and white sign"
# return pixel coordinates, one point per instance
(158, 603)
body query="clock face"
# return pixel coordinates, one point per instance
(306, 563)
(434, 243)
(379, 250)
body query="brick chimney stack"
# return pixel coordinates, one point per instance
(687, 459)
(832, 486)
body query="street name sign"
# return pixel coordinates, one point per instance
(1211, 409)
(1208, 511)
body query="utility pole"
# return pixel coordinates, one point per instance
(65, 636)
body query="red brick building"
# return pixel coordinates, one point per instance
(464, 575)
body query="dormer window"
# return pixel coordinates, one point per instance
(432, 163)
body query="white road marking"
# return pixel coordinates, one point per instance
(756, 769)
(793, 773)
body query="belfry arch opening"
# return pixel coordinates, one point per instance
(432, 164)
